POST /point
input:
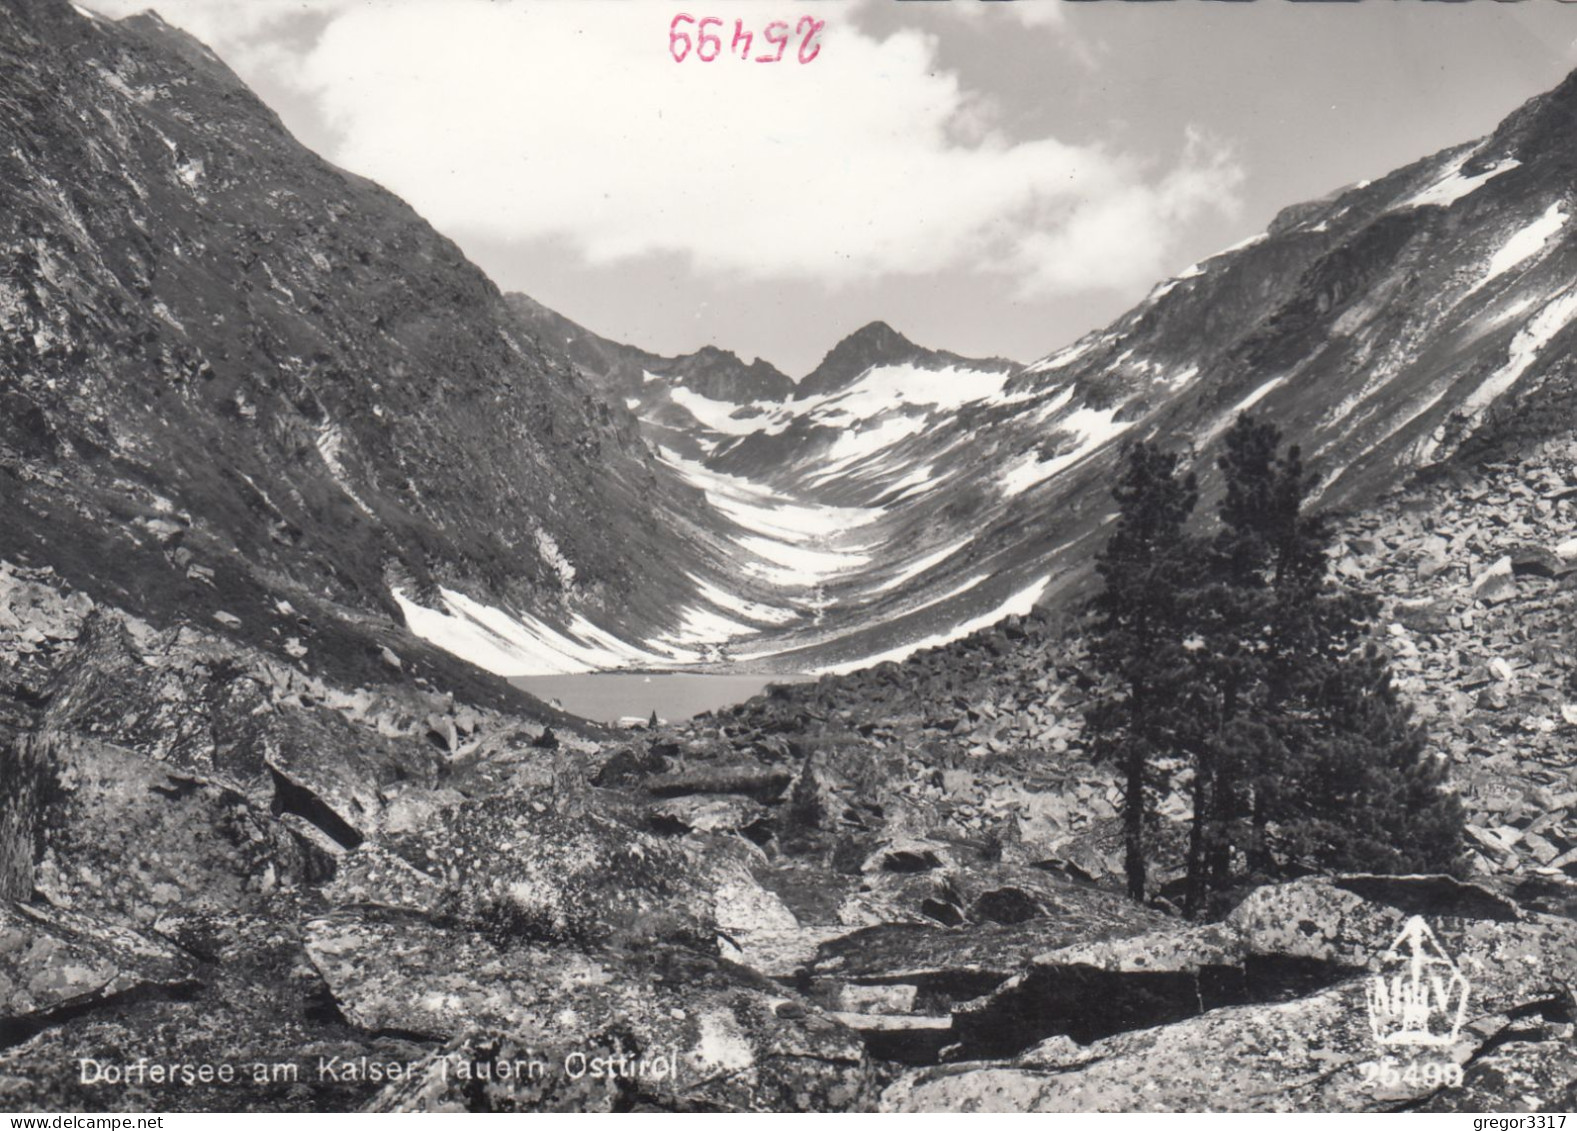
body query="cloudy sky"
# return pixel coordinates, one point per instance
(989, 177)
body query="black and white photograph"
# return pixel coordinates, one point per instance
(788, 556)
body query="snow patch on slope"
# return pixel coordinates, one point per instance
(1053, 406)
(920, 565)
(548, 548)
(702, 627)
(331, 443)
(884, 387)
(760, 509)
(1524, 350)
(1093, 427)
(864, 446)
(1068, 354)
(1454, 185)
(719, 416)
(799, 545)
(1019, 604)
(520, 644)
(800, 566)
(733, 603)
(1526, 242)
(1242, 245)
(1225, 420)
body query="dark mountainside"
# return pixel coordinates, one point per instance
(235, 375)
(246, 818)
(618, 369)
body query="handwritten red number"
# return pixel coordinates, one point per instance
(676, 37)
(743, 51)
(781, 39)
(805, 44)
(703, 37)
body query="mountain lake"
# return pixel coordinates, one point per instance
(609, 696)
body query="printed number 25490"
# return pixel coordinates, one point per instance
(706, 43)
(1429, 1074)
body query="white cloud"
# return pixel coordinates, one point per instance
(544, 119)
(1030, 13)
(1123, 236)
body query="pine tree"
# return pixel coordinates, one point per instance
(1231, 749)
(1313, 740)
(1135, 637)
(1245, 657)
(1366, 794)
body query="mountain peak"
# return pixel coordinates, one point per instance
(874, 338)
(876, 331)
(875, 343)
(722, 375)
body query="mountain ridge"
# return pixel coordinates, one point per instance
(1391, 328)
(618, 369)
(877, 343)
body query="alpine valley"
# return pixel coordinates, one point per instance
(289, 488)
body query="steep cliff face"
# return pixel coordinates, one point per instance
(233, 374)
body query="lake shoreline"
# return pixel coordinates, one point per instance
(608, 697)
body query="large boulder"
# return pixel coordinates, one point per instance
(1294, 1003)
(1091, 990)
(751, 779)
(900, 983)
(1253, 1058)
(52, 959)
(550, 877)
(712, 1033)
(125, 835)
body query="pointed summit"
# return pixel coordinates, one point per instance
(877, 343)
(876, 335)
(722, 375)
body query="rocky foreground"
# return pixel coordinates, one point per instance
(887, 891)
